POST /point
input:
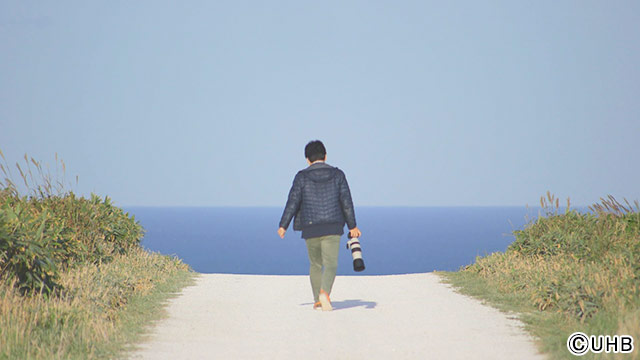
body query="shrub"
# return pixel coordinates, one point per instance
(27, 247)
(576, 263)
(48, 231)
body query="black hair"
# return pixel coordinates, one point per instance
(315, 150)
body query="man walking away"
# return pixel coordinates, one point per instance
(321, 203)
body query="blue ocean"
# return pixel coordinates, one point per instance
(395, 240)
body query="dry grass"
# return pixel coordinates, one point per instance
(567, 272)
(563, 283)
(74, 282)
(89, 319)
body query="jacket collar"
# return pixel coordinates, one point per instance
(318, 165)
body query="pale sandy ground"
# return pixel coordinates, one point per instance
(411, 316)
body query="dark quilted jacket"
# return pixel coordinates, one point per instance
(319, 195)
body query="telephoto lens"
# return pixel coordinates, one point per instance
(356, 252)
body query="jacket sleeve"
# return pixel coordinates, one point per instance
(293, 202)
(346, 203)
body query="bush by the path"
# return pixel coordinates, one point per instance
(580, 269)
(74, 281)
(103, 308)
(39, 237)
(578, 263)
(49, 229)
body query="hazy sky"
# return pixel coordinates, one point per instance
(419, 102)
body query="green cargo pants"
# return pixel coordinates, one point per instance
(323, 252)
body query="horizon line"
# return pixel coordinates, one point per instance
(357, 206)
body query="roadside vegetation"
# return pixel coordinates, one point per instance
(567, 271)
(74, 281)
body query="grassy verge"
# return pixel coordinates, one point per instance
(102, 311)
(566, 273)
(74, 281)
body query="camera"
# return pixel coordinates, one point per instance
(356, 252)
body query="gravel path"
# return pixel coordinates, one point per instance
(412, 316)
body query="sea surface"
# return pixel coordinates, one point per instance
(395, 240)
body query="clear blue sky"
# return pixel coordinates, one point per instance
(420, 102)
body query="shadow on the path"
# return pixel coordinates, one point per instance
(347, 304)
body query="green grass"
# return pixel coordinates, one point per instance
(565, 273)
(145, 310)
(550, 329)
